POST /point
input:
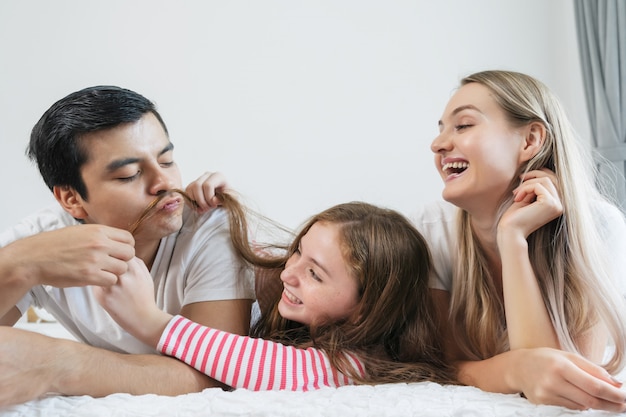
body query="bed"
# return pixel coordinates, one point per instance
(419, 399)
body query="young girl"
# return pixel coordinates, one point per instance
(354, 308)
(531, 255)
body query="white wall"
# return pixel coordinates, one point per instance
(302, 104)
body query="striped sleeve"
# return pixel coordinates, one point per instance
(250, 363)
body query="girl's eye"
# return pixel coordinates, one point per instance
(314, 275)
(167, 164)
(461, 127)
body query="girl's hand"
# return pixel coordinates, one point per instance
(130, 302)
(536, 203)
(203, 190)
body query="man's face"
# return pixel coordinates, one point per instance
(126, 168)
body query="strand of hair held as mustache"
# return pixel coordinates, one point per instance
(149, 210)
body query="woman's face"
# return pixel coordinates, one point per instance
(477, 152)
(318, 285)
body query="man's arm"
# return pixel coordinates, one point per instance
(71, 256)
(32, 364)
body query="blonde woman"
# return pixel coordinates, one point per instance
(527, 263)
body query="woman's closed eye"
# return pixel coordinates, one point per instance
(461, 127)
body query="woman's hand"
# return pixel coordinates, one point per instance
(203, 190)
(130, 302)
(554, 377)
(536, 203)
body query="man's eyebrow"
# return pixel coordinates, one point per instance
(168, 147)
(459, 110)
(119, 163)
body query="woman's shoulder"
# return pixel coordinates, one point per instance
(607, 216)
(434, 212)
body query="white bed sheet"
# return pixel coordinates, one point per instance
(419, 399)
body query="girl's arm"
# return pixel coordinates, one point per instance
(250, 363)
(235, 360)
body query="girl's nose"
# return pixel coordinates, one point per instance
(289, 275)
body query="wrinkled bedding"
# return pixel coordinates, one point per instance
(419, 399)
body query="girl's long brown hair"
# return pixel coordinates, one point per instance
(393, 329)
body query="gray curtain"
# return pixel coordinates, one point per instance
(601, 29)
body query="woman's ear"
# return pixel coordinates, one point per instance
(535, 137)
(70, 200)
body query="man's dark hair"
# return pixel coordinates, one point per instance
(55, 140)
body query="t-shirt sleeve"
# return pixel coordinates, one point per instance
(436, 222)
(47, 219)
(212, 268)
(250, 363)
(612, 229)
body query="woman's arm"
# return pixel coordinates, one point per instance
(546, 376)
(536, 202)
(543, 375)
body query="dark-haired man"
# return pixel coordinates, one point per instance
(105, 153)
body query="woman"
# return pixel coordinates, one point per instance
(354, 308)
(527, 259)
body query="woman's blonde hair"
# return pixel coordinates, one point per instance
(566, 254)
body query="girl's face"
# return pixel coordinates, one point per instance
(318, 286)
(477, 152)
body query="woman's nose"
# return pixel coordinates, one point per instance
(441, 143)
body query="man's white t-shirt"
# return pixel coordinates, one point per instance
(196, 264)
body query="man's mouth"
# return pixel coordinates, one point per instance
(168, 200)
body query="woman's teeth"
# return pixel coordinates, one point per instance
(455, 167)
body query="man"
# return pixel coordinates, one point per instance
(105, 154)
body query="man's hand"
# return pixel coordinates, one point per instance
(72, 256)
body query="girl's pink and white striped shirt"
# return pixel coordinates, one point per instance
(250, 363)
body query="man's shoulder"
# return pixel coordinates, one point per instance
(213, 219)
(46, 219)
